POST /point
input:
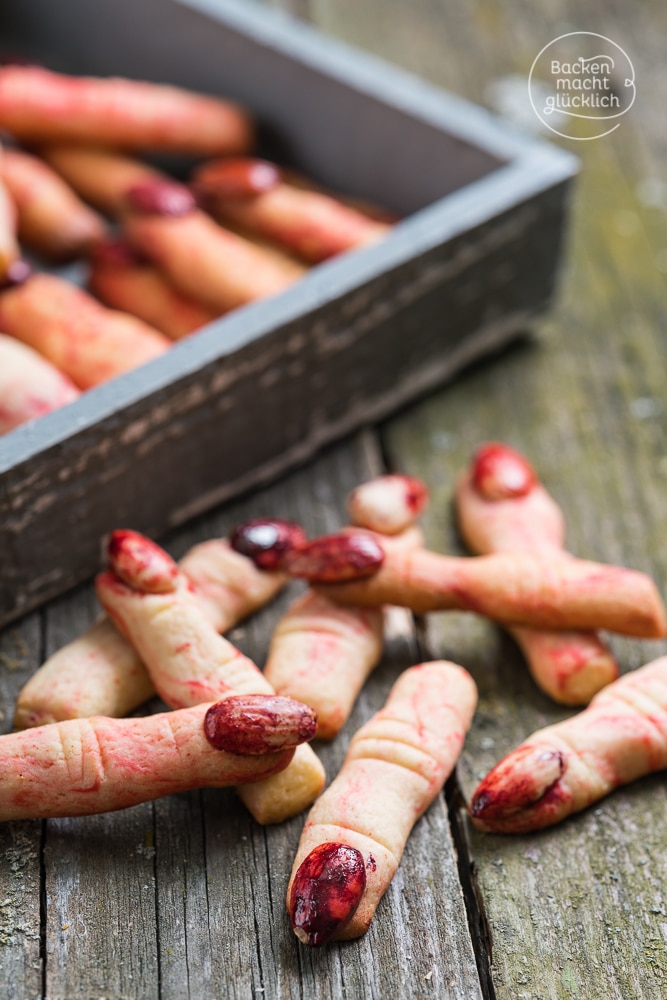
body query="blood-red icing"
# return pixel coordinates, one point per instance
(416, 494)
(158, 197)
(326, 892)
(258, 723)
(140, 563)
(522, 779)
(266, 541)
(336, 558)
(236, 177)
(500, 473)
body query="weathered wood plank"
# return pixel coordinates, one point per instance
(20, 843)
(100, 913)
(579, 910)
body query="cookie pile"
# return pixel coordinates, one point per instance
(163, 258)
(233, 724)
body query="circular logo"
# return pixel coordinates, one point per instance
(581, 84)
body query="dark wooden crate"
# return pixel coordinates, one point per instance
(261, 390)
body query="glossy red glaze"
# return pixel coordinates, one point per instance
(256, 724)
(336, 558)
(236, 177)
(158, 197)
(500, 473)
(267, 541)
(140, 563)
(509, 788)
(16, 274)
(326, 892)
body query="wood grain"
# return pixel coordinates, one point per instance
(577, 911)
(20, 843)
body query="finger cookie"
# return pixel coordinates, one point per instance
(152, 602)
(562, 769)
(30, 386)
(89, 343)
(355, 834)
(123, 279)
(388, 504)
(501, 507)
(86, 766)
(322, 654)
(52, 220)
(101, 177)
(513, 588)
(202, 259)
(37, 105)
(9, 247)
(257, 196)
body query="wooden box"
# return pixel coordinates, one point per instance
(255, 393)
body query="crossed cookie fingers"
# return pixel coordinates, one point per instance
(100, 672)
(562, 769)
(355, 834)
(501, 507)
(152, 602)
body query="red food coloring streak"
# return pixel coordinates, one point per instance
(336, 558)
(416, 494)
(326, 892)
(237, 177)
(500, 473)
(17, 273)
(140, 563)
(255, 724)
(266, 541)
(503, 792)
(116, 252)
(157, 197)
(33, 407)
